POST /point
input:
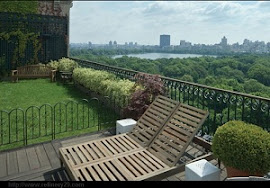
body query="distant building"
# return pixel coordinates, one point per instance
(185, 44)
(115, 43)
(110, 43)
(165, 40)
(224, 41)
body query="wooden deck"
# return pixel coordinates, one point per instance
(41, 162)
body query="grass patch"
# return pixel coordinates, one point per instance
(47, 109)
(36, 92)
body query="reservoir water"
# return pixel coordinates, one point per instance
(154, 56)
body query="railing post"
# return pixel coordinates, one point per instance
(25, 126)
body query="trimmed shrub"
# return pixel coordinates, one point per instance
(243, 146)
(64, 64)
(105, 84)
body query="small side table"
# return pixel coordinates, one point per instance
(202, 170)
(124, 125)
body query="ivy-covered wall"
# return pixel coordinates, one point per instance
(29, 34)
(23, 7)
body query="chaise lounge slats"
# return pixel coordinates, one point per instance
(136, 155)
(153, 119)
(177, 133)
(141, 136)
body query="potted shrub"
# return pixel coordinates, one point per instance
(242, 147)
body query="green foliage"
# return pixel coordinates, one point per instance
(225, 72)
(104, 83)
(21, 40)
(243, 146)
(64, 64)
(23, 7)
(150, 86)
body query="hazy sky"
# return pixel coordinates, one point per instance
(204, 22)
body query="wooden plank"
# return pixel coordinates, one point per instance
(110, 148)
(3, 164)
(148, 125)
(155, 113)
(175, 134)
(107, 172)
(186, 121)
(193, 113)
(168, 148)
(42, 156)
(85, 174)
(157, 164)
(22, 161)
(181, 124)
(160, 110)
(194, 119)
(51, 153)
(115, 173)
(136, 144)
(122, 141)
(173, 138)
(85, 148)
(32, 158)
(96, 150)
(93, 173)
(178, 129)
(103, 149)
(165, 103)
(91, 151)
(114, 145)
(124, 171)
(134, 165)
(12, 163)
(75, 156)
(85, 153)
(80, 155)
(119, 145)
(169, 142)
(151, 120)
(166, 157)
(101, 174)
(145, 161)
(140, 161)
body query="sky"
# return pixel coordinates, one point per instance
(199, 22)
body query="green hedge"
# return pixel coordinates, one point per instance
(105, 84)
(64, 64)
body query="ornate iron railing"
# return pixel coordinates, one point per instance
(38, 123)
(223, 105)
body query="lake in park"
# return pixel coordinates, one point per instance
(154, 56)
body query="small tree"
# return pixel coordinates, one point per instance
(152, 86)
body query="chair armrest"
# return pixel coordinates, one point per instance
(13, 72)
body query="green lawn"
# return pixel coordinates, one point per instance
(47, 109)
(36, 92)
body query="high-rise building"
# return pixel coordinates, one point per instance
(165, 40)
(223, 41)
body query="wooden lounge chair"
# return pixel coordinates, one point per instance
(161, 155)
(142, 134)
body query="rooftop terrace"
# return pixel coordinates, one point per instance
(40, 162)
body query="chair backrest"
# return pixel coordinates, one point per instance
(35, 69)
(153, 119)
(175, 136)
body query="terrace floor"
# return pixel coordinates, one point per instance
(41, 162)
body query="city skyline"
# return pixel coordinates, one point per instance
(143, 22)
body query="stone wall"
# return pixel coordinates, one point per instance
(55, 8)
